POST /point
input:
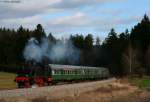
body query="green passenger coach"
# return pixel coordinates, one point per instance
(68, 72)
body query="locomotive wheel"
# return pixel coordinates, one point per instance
(49, 83)
(20, 85)
(40, 82)
(27, 85)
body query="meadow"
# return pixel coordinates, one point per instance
(7, 80)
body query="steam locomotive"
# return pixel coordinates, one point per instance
(52, 73)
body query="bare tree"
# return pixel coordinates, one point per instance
(147, 59)
(98, 41)
(130, 61)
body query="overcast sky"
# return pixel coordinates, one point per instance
(65, 17)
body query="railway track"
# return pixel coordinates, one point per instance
(55, 90)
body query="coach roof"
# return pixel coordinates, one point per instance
(55, 66)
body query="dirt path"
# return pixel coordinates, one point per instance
(58, 91)
(111, 90)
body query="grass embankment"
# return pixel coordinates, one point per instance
(7, 80)
(143, 83)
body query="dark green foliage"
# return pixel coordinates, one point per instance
(88, 42)
(124, 54)
(78, 41)
(39, 33)
(140, 37)
(140, 34)
(85, 44)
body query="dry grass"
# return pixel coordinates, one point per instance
(40, 99)
(2, 100)
(136, 97)
(114, 92)
(7, 81)
(101, 94)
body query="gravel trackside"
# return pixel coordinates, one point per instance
(57, 91)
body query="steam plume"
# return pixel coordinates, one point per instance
(61, 51)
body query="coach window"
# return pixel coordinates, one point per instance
(71, 72)
(58, 71)
(55, 71)
(68, 71)
(75, 71)
(65, 71)
(62, 71)
(95, 71)
(83, 72)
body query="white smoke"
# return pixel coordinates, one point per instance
(61, 51)
(33, 51)
(64, 51)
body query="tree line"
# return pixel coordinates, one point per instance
(124, 54)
